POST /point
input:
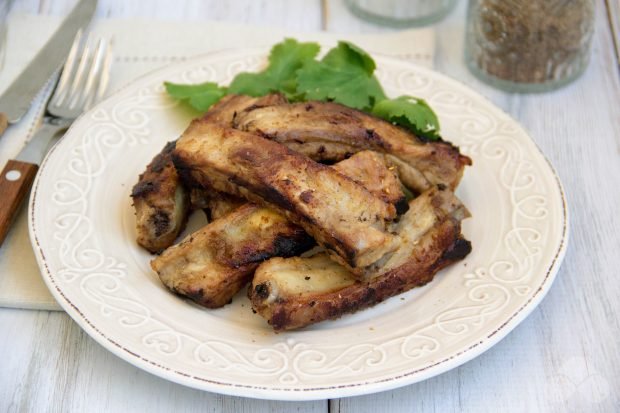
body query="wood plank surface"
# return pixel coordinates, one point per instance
(562, 358)
(63, 370)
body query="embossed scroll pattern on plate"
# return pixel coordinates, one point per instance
(95, 281)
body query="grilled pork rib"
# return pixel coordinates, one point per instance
(266, 198)
(337, 212)
(295, 292)
(161, 203)
(161, 200)
(366, 168)
(331, 132)
(213, 263)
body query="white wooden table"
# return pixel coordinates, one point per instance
(563, 357)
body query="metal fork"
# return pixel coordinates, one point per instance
(81, 84)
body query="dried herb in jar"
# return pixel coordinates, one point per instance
(530, 42)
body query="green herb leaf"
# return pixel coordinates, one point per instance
(411, 113)
(347, 54)
(284, 60)
(344, 75)
(200, 96)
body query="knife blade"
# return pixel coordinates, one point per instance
(37, 147)
(16, 100)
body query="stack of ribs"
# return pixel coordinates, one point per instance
(324, 210)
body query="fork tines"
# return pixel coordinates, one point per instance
(85, 74)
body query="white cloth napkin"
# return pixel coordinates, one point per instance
(139, 47)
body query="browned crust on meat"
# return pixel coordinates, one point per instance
(369, 169)
(366, 168)
(215, 204)
(427, 247)
(220, 204)
(161, 203)
(340, 214)
(211, 265)
(161, 200)
(219, 280)
(198, 199)
(225, 110)
(329, 131)
(434, 254)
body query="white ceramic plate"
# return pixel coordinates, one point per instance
(82, 230)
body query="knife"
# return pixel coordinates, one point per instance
(16, 100)
(18, 176)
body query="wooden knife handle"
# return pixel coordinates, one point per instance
(15, 182)
(4, 123)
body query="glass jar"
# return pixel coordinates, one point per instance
(401, 13)
(528, 45)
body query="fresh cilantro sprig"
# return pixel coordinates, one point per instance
(410, 113)
(280, 75)
(200, 96)
(344, 75)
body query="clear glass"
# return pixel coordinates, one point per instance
(401, 13)
(528, 46)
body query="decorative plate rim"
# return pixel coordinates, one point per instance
(317, 392)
